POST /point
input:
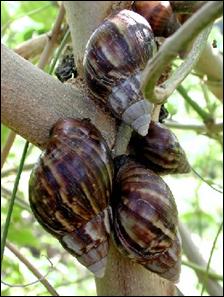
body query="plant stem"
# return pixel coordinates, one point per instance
(30, 266)
(218, 127)
(201, 269)
(48, 49)
(200, 111)
(174, 44)
(210, 257)
(62, 45)
(194, 256)
(11, 204)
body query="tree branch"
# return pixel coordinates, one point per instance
(32, 101)
(32, 47)
(214, 74)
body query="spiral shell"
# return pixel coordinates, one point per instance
(70, 188)
(160, 150)
(145, 220)
(115, 55)
(160, 16)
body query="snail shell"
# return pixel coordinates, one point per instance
(70, 188)
(160, 16)
(145, 219)
(160, 150)
(115, 55)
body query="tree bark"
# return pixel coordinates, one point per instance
(126, 278)
(32, 101)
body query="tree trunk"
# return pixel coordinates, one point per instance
(122, 277)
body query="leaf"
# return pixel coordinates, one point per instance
(22, 236)
(4, 14)
(40, 11)
(4, 134)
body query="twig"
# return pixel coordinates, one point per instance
(203, 114)
(62, 45)
(40, 277)
(31, 283)
(32, 47)
(198, 268)
(13, 170)
(193, 255)
(218, 127)
(7, 147)
(168, 51)
(52, 39)
(164, 90)
(11, 203)
(205, 181)
(210, 257)
(21, 203)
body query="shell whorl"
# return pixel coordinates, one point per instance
(145, 219)
(70, 188)
(160, 150)
(115, 55)
(160, 16)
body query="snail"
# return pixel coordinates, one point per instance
(115, 56)
(160, 16)
(160, 150)
(70, 188)
(145, 219)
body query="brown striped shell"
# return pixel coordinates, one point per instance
(70, 188)
(115, 55)
(145, 220)
(160, 150)
(160, 16)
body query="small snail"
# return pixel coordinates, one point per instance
(160, 150)
(69, 191)
(145, 219)
(115, 55)
(160, 16)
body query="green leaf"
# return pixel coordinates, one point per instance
(22, 236)
(4, 14)
(40, 11)
(4, 134)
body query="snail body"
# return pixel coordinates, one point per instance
(160, 16)
(69, 191)
(145, 220)
(160, 150)
(115, 55)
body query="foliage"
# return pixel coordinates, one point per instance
(200, 207)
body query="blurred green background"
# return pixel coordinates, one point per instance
(200, 207)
